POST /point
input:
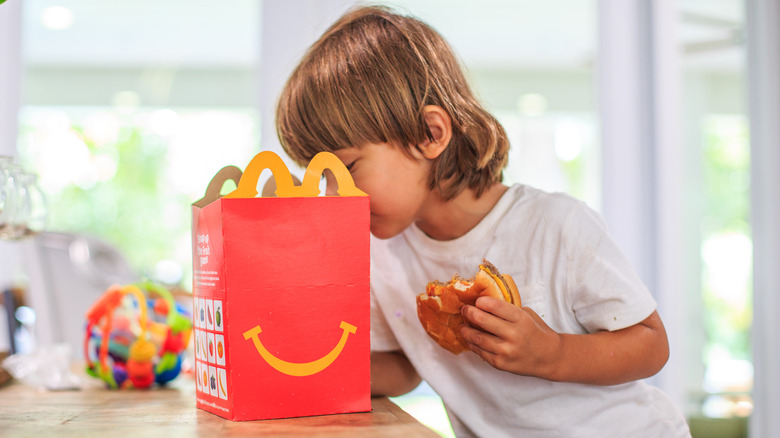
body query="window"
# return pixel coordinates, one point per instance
(129, 176)
(718, 206)
(726, 258)
(129, 109)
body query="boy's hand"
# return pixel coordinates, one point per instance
(508, 337)
(517, 340)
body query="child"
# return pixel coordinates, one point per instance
(385, 93)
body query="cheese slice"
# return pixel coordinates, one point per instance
(500, 282)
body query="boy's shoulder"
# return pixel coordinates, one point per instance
(550, 214)
(554, 214)
(538, 202)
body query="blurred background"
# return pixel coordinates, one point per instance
(126, 109)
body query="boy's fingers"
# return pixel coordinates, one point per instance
(499, 308)
(479, 318)
(487, 356)
(479, 340)
(484, 320)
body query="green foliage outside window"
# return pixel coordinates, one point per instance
(726, 285)
(132, 187)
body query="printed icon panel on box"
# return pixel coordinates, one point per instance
(199, 375)
(211, 348)
(209, 314)
(202, 312)
(211, 380)
(195, 321)
(200, 344)
(218, 315)
(220, 349)
(222, 383)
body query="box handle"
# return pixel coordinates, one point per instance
(215, 185)
(285, 187)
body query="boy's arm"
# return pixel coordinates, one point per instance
(392, 374)
(518, 340)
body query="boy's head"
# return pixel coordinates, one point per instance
(367, 80)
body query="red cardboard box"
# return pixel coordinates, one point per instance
(281, 287)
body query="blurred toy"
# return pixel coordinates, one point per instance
(134, 340)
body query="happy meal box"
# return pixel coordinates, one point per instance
(281, 294)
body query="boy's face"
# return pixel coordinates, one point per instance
(397, 185)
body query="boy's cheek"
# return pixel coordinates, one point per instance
(331, 190)
(331, 186)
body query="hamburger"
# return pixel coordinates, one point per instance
(439, 307)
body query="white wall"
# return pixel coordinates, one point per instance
(288, 28)
(10, 74)
(639, 86)
(763, 26)
(10, 100)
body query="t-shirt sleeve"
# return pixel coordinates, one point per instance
(604, 290)
(382, 337)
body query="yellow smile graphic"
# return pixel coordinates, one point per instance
(300, 369)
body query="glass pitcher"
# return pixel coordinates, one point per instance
(30, 214)
(7, 195)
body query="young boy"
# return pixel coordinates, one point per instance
(385, 93)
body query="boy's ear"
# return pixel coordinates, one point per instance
(440, 127)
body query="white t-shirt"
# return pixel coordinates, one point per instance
(570, 272)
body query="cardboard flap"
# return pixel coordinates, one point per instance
(285, 186)
(215, 186)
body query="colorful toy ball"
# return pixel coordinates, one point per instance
(134, 340)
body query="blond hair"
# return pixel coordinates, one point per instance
(367, 80)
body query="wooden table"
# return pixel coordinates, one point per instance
(171, 413)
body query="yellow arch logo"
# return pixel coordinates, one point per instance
(300, 369)
(285, 187)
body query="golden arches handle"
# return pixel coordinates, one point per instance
(247, 186)
(285, 187)
(227, 173)
(295, 368)
(326, 160)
